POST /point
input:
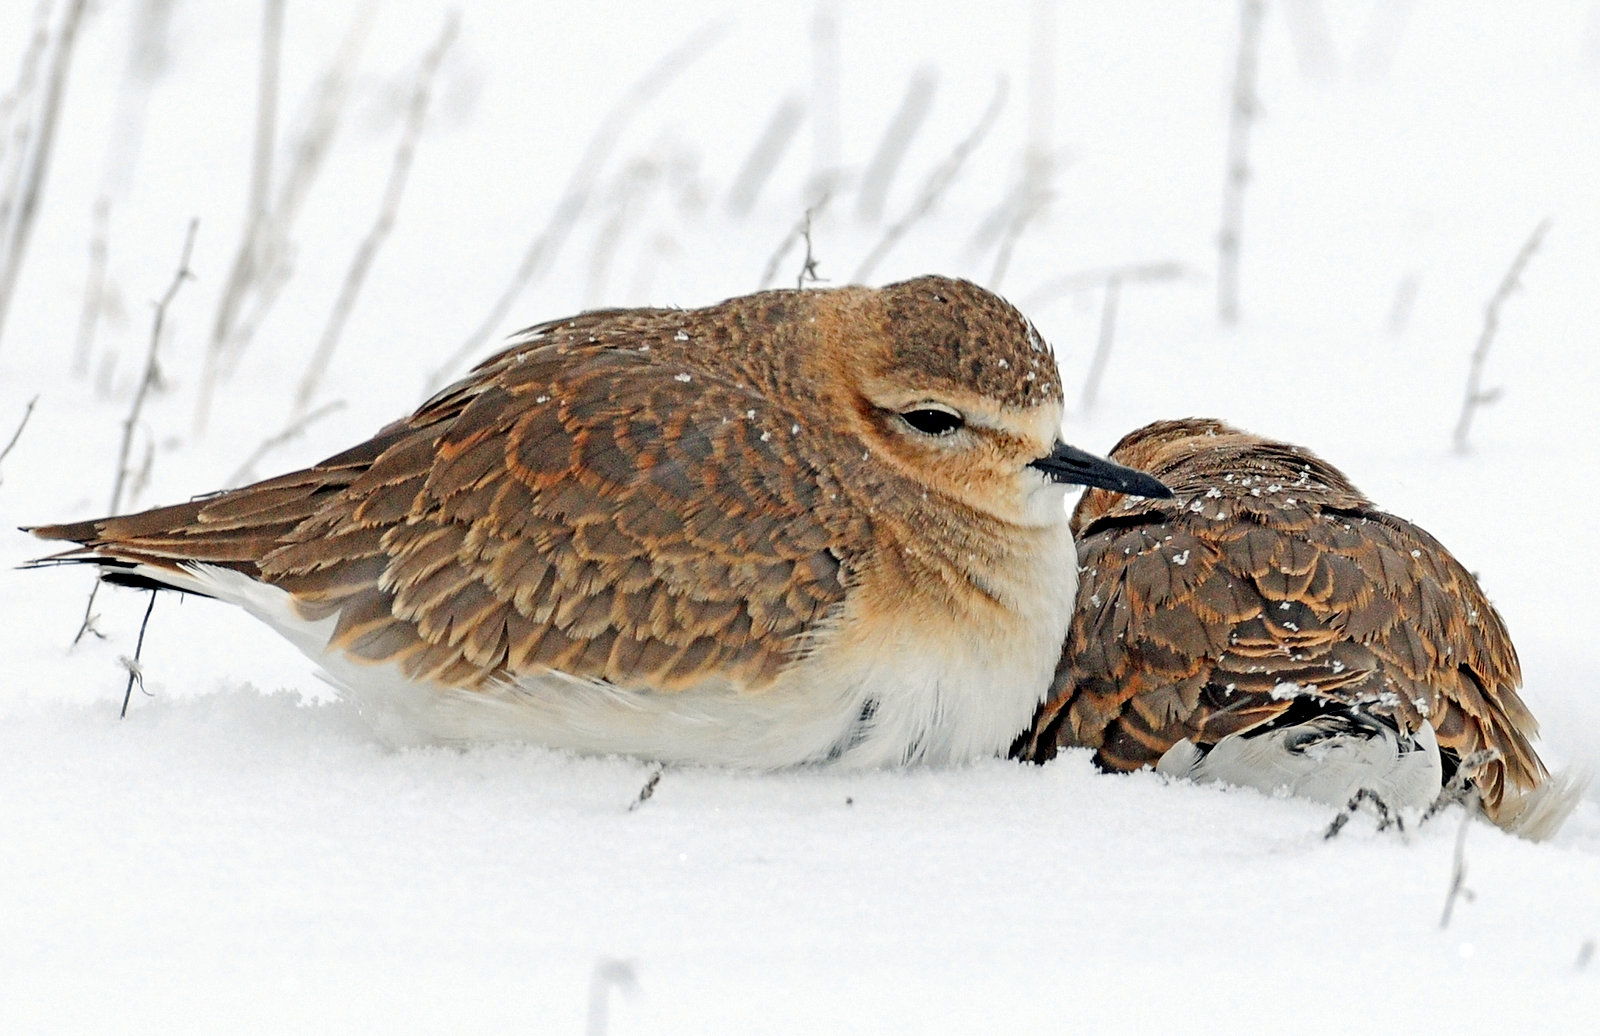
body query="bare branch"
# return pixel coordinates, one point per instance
(608, 974)
(1405, 297)
(1240, 117)
(146, 381)
(634, 184)
(26, 413)
(801, 231)
(649, 788)
(1458, 869)
(1311, 37)
(20, 228)
(896, 140)
(1028, 199)
(94, 289)
(152, 369)
(937, 183)
(1102, 349)
(548, 242)
(1131, 273)
(249, 258)
(825, 134)
(399, 173)
(135, 670)
(17, 99)
(290, 432)
(1476, 395)
(309, 146)
(763, 158)
(808, 265)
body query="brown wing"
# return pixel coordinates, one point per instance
(579, 507)
(1212, 614)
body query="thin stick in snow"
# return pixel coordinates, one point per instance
(1110, 279)
(94, 289)
(808, 265)
(1028, 200)
(152, 369)
(897, 137)
(802, 230)
(147, 380)
(20, 227)
(825, 134)
(648, 790)
(1405, 297)
(608, 974)
(26, 413)
(292, 431)
(249, 258)
(547, 243)
(763, 158)
(1477, 396)
(1458, 868)
(1131, 273)
(1240, 116)
(1102, 349)
(399, 173)
(938, 181)
(135, 670)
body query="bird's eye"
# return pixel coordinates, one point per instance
(932, 419)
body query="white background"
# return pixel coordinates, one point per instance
(242, 854)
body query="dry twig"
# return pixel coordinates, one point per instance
(250, 258)
(19, 228)
(399, 173)
(608, 974)
(1240, 117)
(147, 380)
(1027, 200)
(26, 413)
(825, 146)
(290, 432)
(808, 265)
(763, 158)
(1458, 869)
(801, 232)
(548, 242)
(896, 140)
(649, 788)
(94, 289)
(135, 670)
(1477, 396)
(933, 188)
(633, 187)
(1111, 280)
(264, 264)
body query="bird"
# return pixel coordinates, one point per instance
(1269, 626)
(819, 526)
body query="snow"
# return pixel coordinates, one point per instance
(242, 854)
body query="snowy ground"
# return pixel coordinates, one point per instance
(240, 854)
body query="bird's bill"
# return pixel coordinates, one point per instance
(1077, 467)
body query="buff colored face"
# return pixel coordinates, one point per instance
(970, 448)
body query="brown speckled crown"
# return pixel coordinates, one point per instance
(958, 335)
(1269, 566)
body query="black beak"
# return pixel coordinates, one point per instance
(1072, 465)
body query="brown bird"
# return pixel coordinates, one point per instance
(795, 527)
(1270, 627)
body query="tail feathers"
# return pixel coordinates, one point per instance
(232, 530)
(1543, 811)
